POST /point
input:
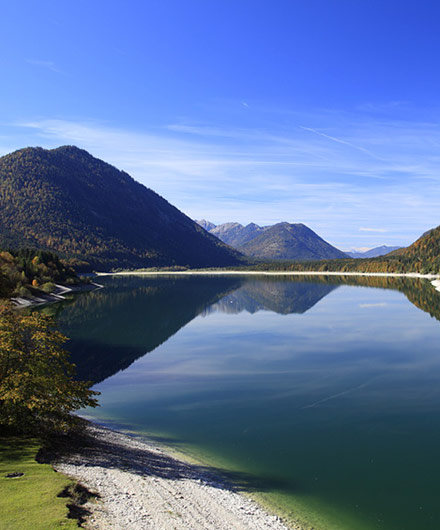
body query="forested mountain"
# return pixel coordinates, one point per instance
(280, 241)
(426, 249)
(423, 257)
(67, 201)
(373, 252)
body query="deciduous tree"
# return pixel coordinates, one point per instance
(37, 389)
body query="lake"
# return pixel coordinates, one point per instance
(321, 395)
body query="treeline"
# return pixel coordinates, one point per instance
(27, 272)
(395, 264)
(423, 257)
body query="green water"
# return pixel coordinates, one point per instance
(322, 397)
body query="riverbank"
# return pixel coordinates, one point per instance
(144, 487)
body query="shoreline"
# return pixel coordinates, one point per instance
(58, 295)
(433, 278)
(143, 485)
(272, 273)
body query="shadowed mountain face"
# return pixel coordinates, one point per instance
(67, 201)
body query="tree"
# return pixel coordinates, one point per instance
(37, 389)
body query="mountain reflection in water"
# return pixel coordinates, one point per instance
(149, 310)
(327, 394)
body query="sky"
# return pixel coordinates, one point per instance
(324, 112)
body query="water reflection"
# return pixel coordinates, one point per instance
(328, 394)
(109, 329)
(279, 295)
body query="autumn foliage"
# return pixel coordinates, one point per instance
(37, 389)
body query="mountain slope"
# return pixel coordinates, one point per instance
(207, 225)
(235, 234)
(426, 249)
(280, 241)
(67, 201)
(285, 241)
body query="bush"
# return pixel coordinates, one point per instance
(48, 287)
(22, 291)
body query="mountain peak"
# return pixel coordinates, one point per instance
(70, 202)
(207, 225)
(279, 241)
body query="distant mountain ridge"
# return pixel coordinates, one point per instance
(67, 201)
(282, 241)
(373, 252)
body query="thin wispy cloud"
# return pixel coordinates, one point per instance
(48, 65)
(273, 174)
(338, 140)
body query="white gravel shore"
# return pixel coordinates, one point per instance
(142, 487)
(207, 272)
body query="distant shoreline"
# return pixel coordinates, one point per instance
(208, 272)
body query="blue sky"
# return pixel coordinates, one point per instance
(324, 112)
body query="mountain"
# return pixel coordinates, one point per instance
(235, 234)
(373, 252)
(282, 241)
(425, 250)
(67, 201)
(285, 241)
(207, 225)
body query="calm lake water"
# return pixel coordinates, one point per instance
(322, 397)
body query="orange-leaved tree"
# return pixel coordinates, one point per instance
(37, 389)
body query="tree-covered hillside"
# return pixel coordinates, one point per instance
(67, 201)
(425, 250)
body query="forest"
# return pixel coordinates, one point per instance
(27, 272)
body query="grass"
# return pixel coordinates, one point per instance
(31, 502)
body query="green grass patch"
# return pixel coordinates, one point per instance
(31, 501)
